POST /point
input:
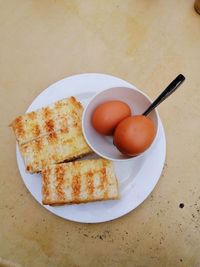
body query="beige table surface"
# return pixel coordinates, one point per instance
(146, 43)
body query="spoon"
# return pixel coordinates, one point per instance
(127, 136)
(167, 92)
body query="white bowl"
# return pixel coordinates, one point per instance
(103, 145)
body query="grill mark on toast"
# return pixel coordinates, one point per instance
(64, 124)
(36, 131)
(18, 127)
(38, 145)
(48, 121)
(29, 168)
(43, 163)
(58, 104)
(46, 112)
(54, 157)
(32, 115)
(49, 125)
(76, 103)
(45, 187)
(90, 183)
(105, 195)
(76, 187)
(52, 138)
(60, 173)
(103, 178)
(73, 99)
(64, 130)
(68, 141)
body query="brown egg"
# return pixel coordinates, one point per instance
(134, 135)
(107, 115)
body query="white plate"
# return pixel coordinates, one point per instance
(136, 179)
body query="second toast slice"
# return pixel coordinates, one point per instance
(79, 182)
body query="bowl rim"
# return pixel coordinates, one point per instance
(107, 157)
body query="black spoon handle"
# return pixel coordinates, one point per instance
(167, 92)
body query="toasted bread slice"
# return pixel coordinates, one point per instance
(53, 148)
(60, 115)
(51, 135)
(79, 182)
